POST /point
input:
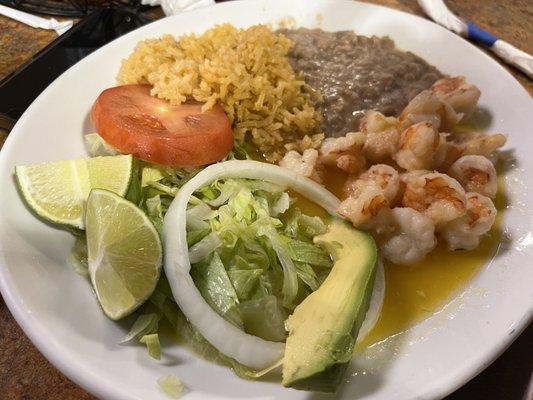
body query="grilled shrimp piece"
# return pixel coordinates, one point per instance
(475, 174)
(418, 146)
(344, 152)
(458, 93)
(411, 238)
(365, 202)
(426, 106)
(385, 176)
(382, 136)
(465, 232)
(436, 195)
(306, 164)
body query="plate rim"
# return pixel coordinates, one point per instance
(66, 363)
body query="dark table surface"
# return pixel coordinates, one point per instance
(26, 375)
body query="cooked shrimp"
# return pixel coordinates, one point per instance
(385, 176)
(482, 144)
(472, 143)
(412, 174)
(437, 195)
(454, 151)
(458, 93)
(426, 106)
(344, 152)
(404, 178)
(475, 174)
(365, 202)
(306, 164)
(411, 238)
(382, 136)
(465, 232)
(417, 147)
(440, 152)
(353, 141)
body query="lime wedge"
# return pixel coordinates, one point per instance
(57, 191)
(124, 252)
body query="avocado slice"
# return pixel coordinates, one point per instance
(324, 327)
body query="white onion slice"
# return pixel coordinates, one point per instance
(248, 350)
(376, 303)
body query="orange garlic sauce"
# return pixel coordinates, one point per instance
(417, 291)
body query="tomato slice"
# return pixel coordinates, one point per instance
(154, 130)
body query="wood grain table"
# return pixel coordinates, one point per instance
(26, 375)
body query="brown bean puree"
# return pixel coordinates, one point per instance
(354, 73)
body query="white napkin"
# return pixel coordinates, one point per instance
(35, 21)
(438, 12)
(171, 7)
(516, 57)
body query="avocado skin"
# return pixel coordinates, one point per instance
(329, 378)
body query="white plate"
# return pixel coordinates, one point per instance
(59, 313)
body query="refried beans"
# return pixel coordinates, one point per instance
(353, 73)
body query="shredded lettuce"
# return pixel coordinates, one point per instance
(197, 215)
(154, 186)
(162, 304)
(292, 226)
(262, 186)
(305, 252)
(196, 235)
(264, 317)
(153, 173)
(213, 282)
(307, 275)
(152, 344)
(290, 276)
(247, 373)
(144, 324)
(201, 211)
(311, 226)
(135, 193)
(244, 281)
(238, 152)
(191, 338)
(251, 266)
(97, 146)
(171, 386)
(220, 193)
(204, 247)
(281, 205)
(78, 257)
(154, 210)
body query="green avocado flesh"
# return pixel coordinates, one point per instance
(324, 327)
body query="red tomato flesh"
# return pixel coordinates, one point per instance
(136, 123)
